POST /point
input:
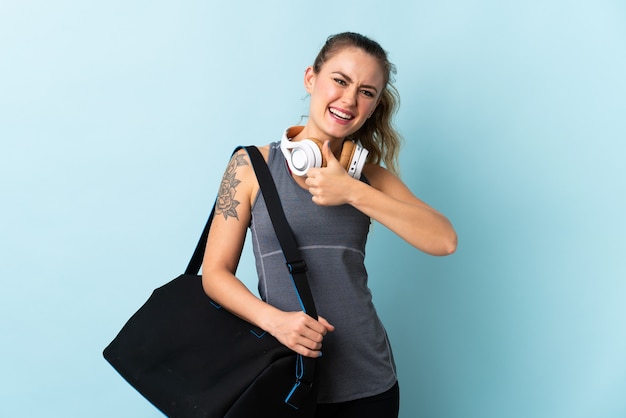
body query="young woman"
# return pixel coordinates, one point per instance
(329, 209)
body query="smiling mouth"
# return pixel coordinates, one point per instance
(340, 114)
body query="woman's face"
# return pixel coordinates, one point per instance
(343, 94)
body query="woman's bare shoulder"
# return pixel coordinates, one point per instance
(242, 153)
(376, 173)
(240, 170)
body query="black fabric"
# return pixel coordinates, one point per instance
(191, 358)
(385, 405)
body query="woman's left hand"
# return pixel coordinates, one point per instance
(330, 185)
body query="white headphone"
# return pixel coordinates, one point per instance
(307, 153)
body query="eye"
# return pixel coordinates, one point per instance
(340, 81)
(367, 93)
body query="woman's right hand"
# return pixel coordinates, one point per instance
(300, 332)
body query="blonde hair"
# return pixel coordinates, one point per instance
(378, 134)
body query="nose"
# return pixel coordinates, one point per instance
(349, 97)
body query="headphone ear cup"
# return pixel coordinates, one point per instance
(353, 157)
(317, 144)
(302, 155)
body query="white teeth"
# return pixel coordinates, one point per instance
(340, 114)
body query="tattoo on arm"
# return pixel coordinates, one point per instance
(226, 203)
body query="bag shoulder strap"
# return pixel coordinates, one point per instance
(293, 259)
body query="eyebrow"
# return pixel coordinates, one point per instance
(367, 86)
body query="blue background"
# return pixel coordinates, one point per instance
(117, 119)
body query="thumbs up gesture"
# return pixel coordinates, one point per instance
(329, 185)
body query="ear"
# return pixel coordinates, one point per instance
(309, 79)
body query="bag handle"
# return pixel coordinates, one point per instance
(305, 366)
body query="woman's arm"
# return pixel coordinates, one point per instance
(225, 243)
(387, 200)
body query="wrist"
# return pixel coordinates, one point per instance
(267, 318)
(357, 193)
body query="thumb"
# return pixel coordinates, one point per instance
(328, 325)
(327, 154)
